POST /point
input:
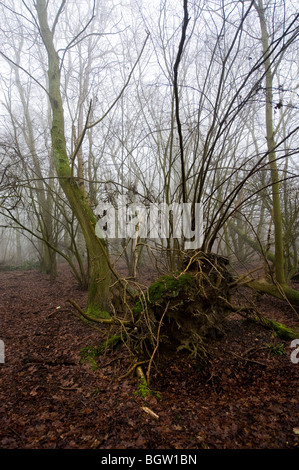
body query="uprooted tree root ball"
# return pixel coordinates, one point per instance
(184, 309)
(179, 311)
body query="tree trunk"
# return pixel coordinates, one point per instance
(252, 243)
(277, 217)
(283, 291)
(99, 282)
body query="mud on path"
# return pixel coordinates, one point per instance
(247, 397)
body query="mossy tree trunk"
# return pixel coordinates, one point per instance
(281, 292)
(277, 216)
(99, 282)
(279, 288)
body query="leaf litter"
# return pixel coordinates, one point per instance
(244, 397)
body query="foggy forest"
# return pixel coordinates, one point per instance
(149, 226)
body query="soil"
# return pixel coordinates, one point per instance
(245, 397)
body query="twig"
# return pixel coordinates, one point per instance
(157, 345)
(248, 360)
(244, 277)
(150, 412)
(68, 389)
(253, 349)
(16, 433)
(110, 321)
(131, 369)
(176, 96)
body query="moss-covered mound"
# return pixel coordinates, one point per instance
(165, 288)
(186, 308)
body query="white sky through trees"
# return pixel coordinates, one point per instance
(136, 147)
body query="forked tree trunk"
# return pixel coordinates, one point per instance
(98, 295)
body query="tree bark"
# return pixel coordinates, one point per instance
(282, 291)
(277, 216)
(99, 282)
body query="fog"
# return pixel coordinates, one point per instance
(153, 116)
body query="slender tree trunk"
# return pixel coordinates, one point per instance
(45, 203)
(277, 216)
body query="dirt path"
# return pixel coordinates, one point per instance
(245, 398)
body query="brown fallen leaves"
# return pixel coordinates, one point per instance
(49, 400)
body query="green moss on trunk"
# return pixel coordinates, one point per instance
(282, 291)
(283, 331)
(94, 312)
(98, 295)
(168, 286)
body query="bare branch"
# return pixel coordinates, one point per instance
(24, 70)
(79, 34)
(123, 88)
(81, 137)
(176, 95)
(58, 15)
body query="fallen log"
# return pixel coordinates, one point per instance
(282, 331)
(281, 291)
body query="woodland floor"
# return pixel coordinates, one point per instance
(246, 398)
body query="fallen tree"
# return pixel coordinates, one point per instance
(180, 311)
(192, 304)
(281, 291)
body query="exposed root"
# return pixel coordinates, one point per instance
(184, 309)
(180, 311)
(92, 318)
